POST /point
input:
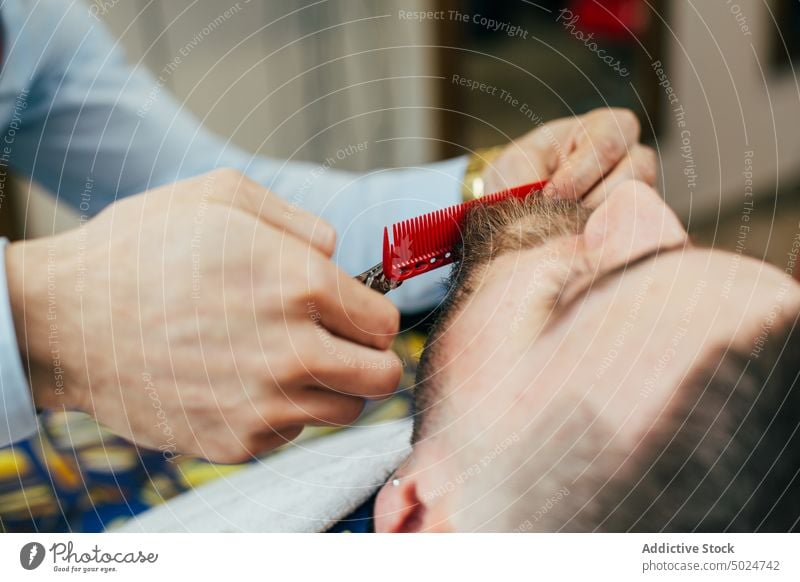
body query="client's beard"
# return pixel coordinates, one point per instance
(510, 226)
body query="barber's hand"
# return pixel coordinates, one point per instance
(583, 157)
(204, 317)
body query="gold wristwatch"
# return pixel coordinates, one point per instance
(473, 186)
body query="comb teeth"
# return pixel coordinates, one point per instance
(427, 242)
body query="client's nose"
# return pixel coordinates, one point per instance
(633, 222)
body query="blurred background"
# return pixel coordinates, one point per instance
(713, 83)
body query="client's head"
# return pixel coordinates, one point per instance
(593, 371)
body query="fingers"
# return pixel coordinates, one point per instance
(350, 310)
(603, 139)
(316, 407)
(271, 439)
(520, 163)
(293, 220)
(344, 377)
(306, 407)
(247, 446)
(349, 368)
(640, 165)
(233, 187)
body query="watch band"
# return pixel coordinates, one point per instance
(473, 185)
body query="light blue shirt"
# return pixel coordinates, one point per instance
(76, 112)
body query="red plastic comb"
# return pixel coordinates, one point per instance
(428, 242)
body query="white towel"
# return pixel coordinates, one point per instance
(307, 487)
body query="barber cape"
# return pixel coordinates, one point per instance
(306, 487)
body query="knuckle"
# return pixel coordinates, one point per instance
(384, 384)
(254, 425)
(289, 368)
(610, 148)
(227, 175)
(628, 122)
(646, 165)
(391, 320)
(322, 360)
(386, 327)
(228, 454)
(327, 233)
(322, 283)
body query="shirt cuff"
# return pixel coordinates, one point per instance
(18, 418)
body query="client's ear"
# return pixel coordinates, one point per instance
(403, 506)
(633, 222)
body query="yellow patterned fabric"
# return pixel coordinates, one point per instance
(76, 476)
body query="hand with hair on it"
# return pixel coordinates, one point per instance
(205, 315)
(583, 157)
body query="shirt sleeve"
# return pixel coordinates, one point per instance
(92, 129)
(18, 420)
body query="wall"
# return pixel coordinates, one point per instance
(288, 79)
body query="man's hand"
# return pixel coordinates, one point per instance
(583, 157)
(204, 317)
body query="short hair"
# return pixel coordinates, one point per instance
(724, 456)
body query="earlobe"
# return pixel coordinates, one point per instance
(633, 222)
(398, 508)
